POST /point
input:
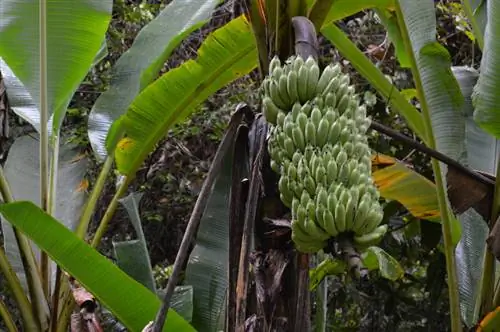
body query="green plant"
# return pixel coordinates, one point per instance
(446, 117)
(47, 96)
(129, 119)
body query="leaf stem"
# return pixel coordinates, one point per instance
(26, 310)
(320, 318)
(122, 189)
(44, 135)
(7, 317)
(81, 230)
(473, 23)
(51, 209)
(446, 218)
(83, 225)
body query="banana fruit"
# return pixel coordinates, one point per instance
(318, 146)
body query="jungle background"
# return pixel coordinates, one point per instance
(173, 175)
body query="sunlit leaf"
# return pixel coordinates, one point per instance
(75, 33)
(225, 55)
(141, 63)
(133, 304)
(377, 258)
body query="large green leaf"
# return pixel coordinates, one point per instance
(133, 304)
(140, 65)
(75, 32)
(343, 8)
(207, 268)
(388, 266)
(486, 97)
(483, 150)
(132, 256)
(482, 154)
(23, 173)
(376, 78)
(440, 88)
(226, 54)
(443, 97)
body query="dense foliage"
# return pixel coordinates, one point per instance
(172, 176)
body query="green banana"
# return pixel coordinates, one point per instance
(283, 91)
(310, 133)
(313, 77)
(271, 111)
(303, 80)
(340, 214)
(318, 145)
(316, 116)
(275, 62)
(372, 238)
(298, 138)
(274, 93)
(330, 72)
(291, 85)
(329, 223)
(322, 132)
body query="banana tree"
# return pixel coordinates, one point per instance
(128, 132)
(449, 98)
(40, 82)
(442, 123)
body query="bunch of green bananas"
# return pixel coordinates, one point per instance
(319, 147)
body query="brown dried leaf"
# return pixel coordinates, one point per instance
(465, 192)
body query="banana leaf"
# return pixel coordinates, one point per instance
(22, 173)
(445, 101)
(486, 98)
(398, 182)
(140, 65)
(75, 35)
(482, 154)
(227, 54)
(207, 268)
(133, 304)
(377, 258)
(390, 22)
(132, 256)
(343, 8)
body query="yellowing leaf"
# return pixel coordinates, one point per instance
(83, 186)
(400, 183)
